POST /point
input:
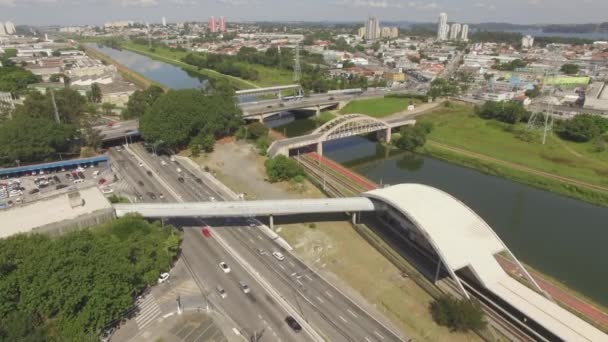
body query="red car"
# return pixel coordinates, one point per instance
(206, 233)
(101, 181)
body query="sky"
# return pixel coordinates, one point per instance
(78, 12)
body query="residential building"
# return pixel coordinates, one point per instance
(2, 30)
(117, 24)
(222, 25)
(464, 33)
(390, 32)
(454, 31)
(442, 27)
(527, 42)
(361, 32)
(212, 27)
(394, 76)
(372, 29)
(10, 27)
(164, 20)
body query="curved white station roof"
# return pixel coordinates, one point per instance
(462, 238)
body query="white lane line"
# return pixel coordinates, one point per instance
(282, 267)
(352, 313)
(320, 300)
(307, 276)
(299, 282)
(236, 331)
(292, 264)
(368, 339)
(329, 294)
(342, 318)
(378, 334)
(251, 240)
(259, 237)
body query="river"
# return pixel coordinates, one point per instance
(562, 237)
(163, 73)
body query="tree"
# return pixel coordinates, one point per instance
(106, 108)
(70, 105)
(282, 168)
(411, 137)
(583, 127)
(56, 53)
(458, 315)
(140, 101)
(179, 115)
(14, 79)
(95, 93)
(534, 92)
(570, 69)
(256, 130)
(375, 46)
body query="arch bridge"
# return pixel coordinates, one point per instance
(343, 126)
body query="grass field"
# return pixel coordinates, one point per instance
(267, 76)
(377, 108)
(459, 127)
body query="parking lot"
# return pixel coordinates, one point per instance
(35, 185)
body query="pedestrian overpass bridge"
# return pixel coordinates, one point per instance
(341, 127)
(459, 238)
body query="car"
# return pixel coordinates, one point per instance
(212, 199)
(293, 324)
(269, 106)
(101, 181)
(151, 195)
(56, 179)
(172, 159)
(41, 172)
(244, 287)
(331, 98)
(281, 105)
(95, 173)
(106, 335)
(221, 291)
(60, 186)
(180, 179)
(81, 175)
(106, 191)
(278, 255)
(140, 183)
(118, 149)
(163, 163)
(141, 164)
(161, 196)
(76, 181)
(80, 169)
(198, 180)
(224, 266)
(262, 251)
(33, 191)
(163, 277)
(149, 173)
(206, 233)
(179, 170)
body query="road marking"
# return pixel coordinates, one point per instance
(236, 331)
(293, 274)
(299, 282)
(342, 318)
(378, 334)
(169, 314)
(307, 276)
(292, 264)
(259, 237)
(320, 299)
(329, 294)
(352, 313)
(368, 339)
(251, 240)
(282, 267)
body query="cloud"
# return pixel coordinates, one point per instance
(7, 3)
(138, 3)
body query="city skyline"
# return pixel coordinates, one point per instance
(52, 12)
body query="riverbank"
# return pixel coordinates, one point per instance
(495, 148)
(207, 73)
(138, 79)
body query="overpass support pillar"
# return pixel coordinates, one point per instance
(387, 136)
(320, 148)
(437, 272)
(318, 111)
(271, 221)
(261, 118)
(355, 217)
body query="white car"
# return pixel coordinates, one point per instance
(224, 266)
(106, 191)
(163, 277)
(163, 163)
(179, 170)
(80, 169)
(278, 255)
(141, 164)
(244, 287)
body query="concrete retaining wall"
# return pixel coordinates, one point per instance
(84, 221)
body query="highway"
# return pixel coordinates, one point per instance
(330, 312)
(255, 312)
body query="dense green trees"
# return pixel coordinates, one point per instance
(509, 66)
(95, 93)
(141, 100)
(412, 137)
(69, 288)
(14, 79)
(221, 63)
(570, 69)
(179, 115)
(70, 105)
(281, 168)
(583, 127)
(458, 314)
(534, 92)
(509, 112)
(443, 87)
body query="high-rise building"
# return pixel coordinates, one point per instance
(527, 41)
(454, 31)
(442, 27)
(10, 27)
(2, 31)
(212, 27)
(361, 32)
(164, 21)
(222, 25)
(372, 29)
(390, 32)
(464, 33)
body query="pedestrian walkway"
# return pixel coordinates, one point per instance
(148, 311)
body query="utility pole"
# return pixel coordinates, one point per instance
(55, 106)
(297, 70)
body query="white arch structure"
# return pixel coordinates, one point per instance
(463, 239)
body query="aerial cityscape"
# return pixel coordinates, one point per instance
(277, 171)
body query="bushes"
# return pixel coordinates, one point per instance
(583, 128)
(422, 98)
(281, 168)
(509, 112)
(413, 137)
(458, 314)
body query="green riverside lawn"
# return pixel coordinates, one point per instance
(460, 127)
(378, 108)
(267, 76)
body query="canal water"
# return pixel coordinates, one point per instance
(163, 73)
(562, 237)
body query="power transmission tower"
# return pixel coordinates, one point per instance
(297, 70)
(55, 106)
(542, 121)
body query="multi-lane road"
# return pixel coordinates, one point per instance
(279, 288)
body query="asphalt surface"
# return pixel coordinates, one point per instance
(331, 313)
(256, 312)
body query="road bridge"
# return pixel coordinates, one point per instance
(457, 236)
(276, 90)
(341, 127)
